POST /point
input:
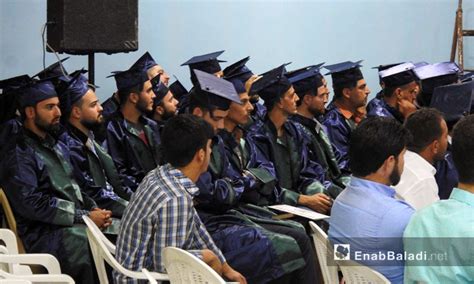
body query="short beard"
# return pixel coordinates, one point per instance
(54, 129)
(395, 176)
(315, 112)
(142, 106)
(93, 125)
(167, 115)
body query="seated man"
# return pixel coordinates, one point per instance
(224, 187)
(165, 105)
(313, 93)
(93, 168)
(350, 93)
(446, 228)
(417, 185)
(366, 214)
(161, 212)
(399, 93)
(37, 178)
(133, 139)
(303, 181)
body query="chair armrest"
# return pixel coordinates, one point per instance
(47, 260)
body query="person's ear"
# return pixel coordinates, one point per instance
(133, 98)
(435, 146)
(197, 111)
(76, 112)
(30, 112)
(388, 165)
(346, 93)
(398, 93)
(160, 110)
(307, 99)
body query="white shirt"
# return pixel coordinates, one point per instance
(417, 185)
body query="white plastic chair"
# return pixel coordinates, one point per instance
(151, 280)
(15, 281)
(37, 278)
(11, 247)
(356, 273)
(320, 240)
(101, 252)
(185, 268)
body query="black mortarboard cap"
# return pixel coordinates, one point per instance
(306, 79)
(467, 77)
(159, 89)
(52, 70)
(36, 92)
(429, 71)
(14, 83)
(126, 80)
(345, 72)
(206, 62)
(238, 85)
(220, 92)
(454, 101)
(238, 70)
(178, 89)
(145, 62)
(386, 66)
(398, 75)
(76, 87)
(272, 85)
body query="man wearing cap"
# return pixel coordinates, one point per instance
(240, 71)
(313, 93)
(152, 68)
(260, 184)
(165, 105)
(133, 139)
(93, 168)
(10, 122)
(302, 181)
(350, 92)
(399, 93)
(37, 178)
(207, 63)
(378, 97)
(223, 186)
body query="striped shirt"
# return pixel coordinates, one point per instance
(160, 214)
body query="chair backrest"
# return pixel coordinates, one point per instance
(185, 268)
(10, 219)
(320, 240)
(356, 273)
(102, 254)
(37, 278)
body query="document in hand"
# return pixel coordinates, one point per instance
(307, 213)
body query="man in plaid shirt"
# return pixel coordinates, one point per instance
(161, 212)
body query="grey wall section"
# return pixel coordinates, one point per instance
(271, 32)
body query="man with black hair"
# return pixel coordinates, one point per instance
(152, 68)
(313, 93)
(132, 138)
(239, 235)
(399, 93)
(165, 105)
(302, 180)
(93, 168)
(350, 92)
(448, 225)
(38, 180)
(418, 186)
(161, 212)
(366, 215)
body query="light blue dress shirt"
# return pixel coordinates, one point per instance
(446, 226)
(367, 216)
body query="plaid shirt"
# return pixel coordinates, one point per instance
(160, 214)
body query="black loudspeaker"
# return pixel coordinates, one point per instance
(86, 26)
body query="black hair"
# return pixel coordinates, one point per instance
(125, 93)
(373, 142)
(425, 127)
(463, 149)
(341, 86)
(182, 136)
